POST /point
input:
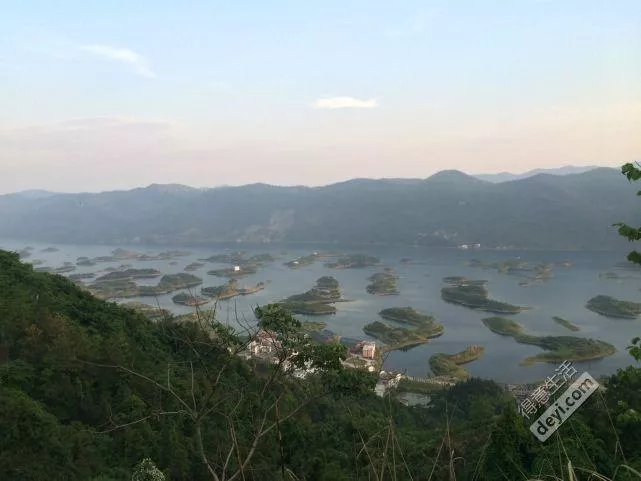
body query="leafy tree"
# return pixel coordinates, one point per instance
(146, 470)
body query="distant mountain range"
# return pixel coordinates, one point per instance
(543, 211)
(507, 176)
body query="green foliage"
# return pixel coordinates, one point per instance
(146, 470)
(73, 404)
(635, 348)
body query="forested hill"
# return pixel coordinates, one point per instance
(88, 389)
(544, 211)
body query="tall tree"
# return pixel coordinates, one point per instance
(633, 234)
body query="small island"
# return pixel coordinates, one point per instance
(171, 282)
(398, 337)
(118, 255)
(235, 257)
(130, 274)
(50, 249)
(559, 348)
(423, 328)
(230, 290)
(239, 257)
(565, 323)
(383, 284)
(317, 301)
(463, 281)
(475, 296)
(354, 261)
(126, 287)
(450, 365)
(303, 261)
(406, 315)
(235, 272)
(85, 261)
(533, 273)
(194, 266)
(186, 299)
(610, 307)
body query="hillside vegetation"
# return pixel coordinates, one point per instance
(88, 389)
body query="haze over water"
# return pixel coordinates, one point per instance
(565, 295)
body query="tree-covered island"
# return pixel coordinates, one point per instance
(611, 307)
(354, 261)
(383, 284)
(422, 328)
(559, 348)
(230, 290)
(190, 300)
(319, 300)
(122, 288)
(474, 295)
(130, 274)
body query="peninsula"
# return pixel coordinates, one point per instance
(450, 365)
(565, 323)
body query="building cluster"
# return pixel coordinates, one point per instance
(266, 346)
(367, 349)
(386, 381)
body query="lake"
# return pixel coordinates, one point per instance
(565, 295)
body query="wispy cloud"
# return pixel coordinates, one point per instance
(137, 62)
(344, 103)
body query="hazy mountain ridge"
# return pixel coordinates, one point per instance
(508, 176)
(544, 211)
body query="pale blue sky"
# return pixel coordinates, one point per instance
(113, 94)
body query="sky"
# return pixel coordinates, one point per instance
(115, 94)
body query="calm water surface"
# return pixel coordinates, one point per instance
(564, 295)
